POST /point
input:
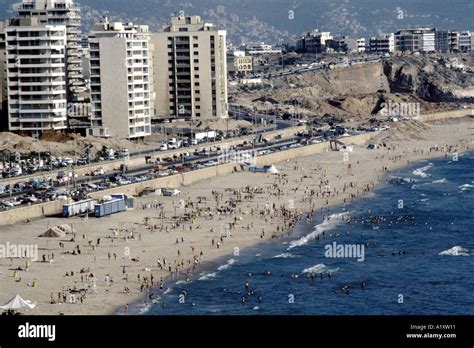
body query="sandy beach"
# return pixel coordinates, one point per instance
(114, 261)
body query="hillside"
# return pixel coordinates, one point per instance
(270, 20)
(357, 92)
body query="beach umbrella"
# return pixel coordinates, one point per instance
(17, 303)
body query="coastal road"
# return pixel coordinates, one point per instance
(137, 171)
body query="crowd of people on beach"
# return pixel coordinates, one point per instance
(261, 211)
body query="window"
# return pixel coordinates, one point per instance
(183, 29)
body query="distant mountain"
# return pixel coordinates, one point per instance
(272, 21)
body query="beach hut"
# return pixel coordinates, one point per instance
(17, 303)
(53, 232)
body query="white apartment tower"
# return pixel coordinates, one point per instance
(190, 70)
(3, 77)
(122, 94)
(60, 12)
(36, 76)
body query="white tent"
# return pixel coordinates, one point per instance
(271, 169)
(17, 303)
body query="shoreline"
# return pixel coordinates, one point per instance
(220, 261)
(301, 184)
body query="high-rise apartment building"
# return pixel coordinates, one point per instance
(415, 40)
(190, 70)
(36, 76)
(61, 12)
(3, 77)
(122, 94)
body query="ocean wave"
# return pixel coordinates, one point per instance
(284, 256)
(466, 187)
(441, 181)
(455, 251)
(227, 265)
(179, 282)
(144, 310)
(421, 172)
(328, 223)
(400, 180)
(320, 267)
(208, 276)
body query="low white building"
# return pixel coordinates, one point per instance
(416, 40)
(361, 45)
(262, 48)
(314, 41)
(384, 43)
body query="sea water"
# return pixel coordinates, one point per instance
(417, 233)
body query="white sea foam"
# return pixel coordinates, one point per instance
(284, 256)
(421, 172)
(442, 181)
(455, 251)
(227, 265)
(402, 179)
(409, 180)
(180, 282)
(208, 276)
(328, 223)
(320, 267)
(144, 310)
(466, 187)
